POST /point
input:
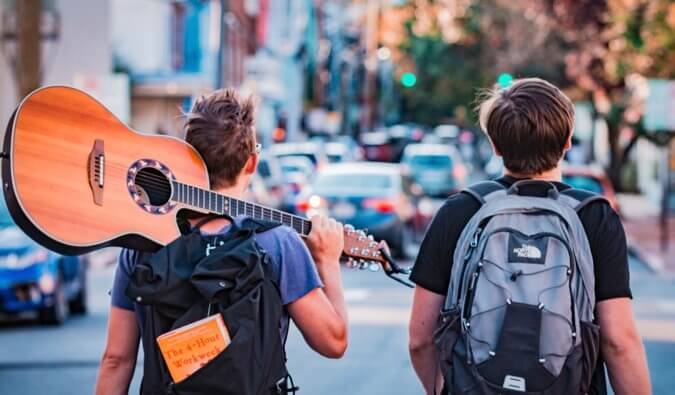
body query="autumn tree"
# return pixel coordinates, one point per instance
(611, 44)
(591, 48)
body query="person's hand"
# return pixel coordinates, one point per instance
(326, 240)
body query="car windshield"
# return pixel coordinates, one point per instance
(307, 155)
(583, 182)
(353, 181)
(431, 161)
(5, 218)
(293, 168)
(334, 158)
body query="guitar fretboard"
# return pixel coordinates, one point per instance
(216, 203)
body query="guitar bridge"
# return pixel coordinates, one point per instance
(97, 171)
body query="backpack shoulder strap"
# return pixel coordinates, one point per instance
(481, 190)
(579, 198)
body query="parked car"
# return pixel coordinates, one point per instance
(438, 169)
(447, 133)
(338, 152)
(297, 171)
(372, 196)
(311, 150)
(269, 171)
(590, 178)
(377, 147)
(401, 135)
(257, 192)
(34, 279)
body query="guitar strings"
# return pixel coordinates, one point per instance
(152, 182)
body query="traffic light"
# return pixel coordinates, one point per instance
(408, 79)
(505, 80)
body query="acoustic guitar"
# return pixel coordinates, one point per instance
(76, 179)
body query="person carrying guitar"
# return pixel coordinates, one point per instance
(220, 127)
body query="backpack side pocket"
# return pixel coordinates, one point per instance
(590, 342)
(445, 337)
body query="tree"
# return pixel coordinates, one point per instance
(611, 41)
(458, 47)
(591, 48)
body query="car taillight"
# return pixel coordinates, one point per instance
(314, 202)
(459, 171)
(379, 205)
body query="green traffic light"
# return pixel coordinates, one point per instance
(505, 80)
(408, 80)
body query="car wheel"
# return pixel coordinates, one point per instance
(57, 313)
(78, 305)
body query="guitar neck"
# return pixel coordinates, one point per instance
(217, 203)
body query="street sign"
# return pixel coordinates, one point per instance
(659, 115)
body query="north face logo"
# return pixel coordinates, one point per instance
(527, 251)
(524, 249)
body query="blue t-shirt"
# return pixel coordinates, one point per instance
(294, 269)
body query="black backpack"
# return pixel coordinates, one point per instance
(196, 276)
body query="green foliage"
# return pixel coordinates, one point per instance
(448, 76)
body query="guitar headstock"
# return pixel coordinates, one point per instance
(362, 250)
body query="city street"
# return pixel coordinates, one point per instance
(64, 360)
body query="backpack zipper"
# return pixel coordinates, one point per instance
(472, 246)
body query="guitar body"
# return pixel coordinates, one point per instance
(69, 179)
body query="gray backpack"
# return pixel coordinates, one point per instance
(518, 316)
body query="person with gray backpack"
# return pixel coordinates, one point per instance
(523, 282)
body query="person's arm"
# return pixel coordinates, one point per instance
(425, 311)
(321, 315)
(622, 348)
(119, 358)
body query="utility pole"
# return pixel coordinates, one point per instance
(370, 41)
(223, 45)
(28, 62)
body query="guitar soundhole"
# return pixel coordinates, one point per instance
(154, 187)
(149, 184)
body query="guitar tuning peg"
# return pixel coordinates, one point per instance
(351, 263)
(349, 228)
(371, 238)
(363, 264)
(374, 266)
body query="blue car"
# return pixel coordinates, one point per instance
(367, 195)
(34, 279)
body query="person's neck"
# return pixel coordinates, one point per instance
(236, 191)
(554, 174)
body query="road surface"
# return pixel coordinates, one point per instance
(64, 360)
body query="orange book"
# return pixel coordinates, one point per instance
(188, 348)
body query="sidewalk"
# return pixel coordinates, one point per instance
(643, 230)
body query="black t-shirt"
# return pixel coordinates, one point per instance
(603, 227)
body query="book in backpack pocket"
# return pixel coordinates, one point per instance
(188, 348)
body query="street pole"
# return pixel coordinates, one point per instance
(28, 60)
(665, 200)
(220, 65)
(371, 42)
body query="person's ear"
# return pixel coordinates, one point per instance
(568, 143)
(251, 164)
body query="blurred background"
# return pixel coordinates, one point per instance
(365, 112)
